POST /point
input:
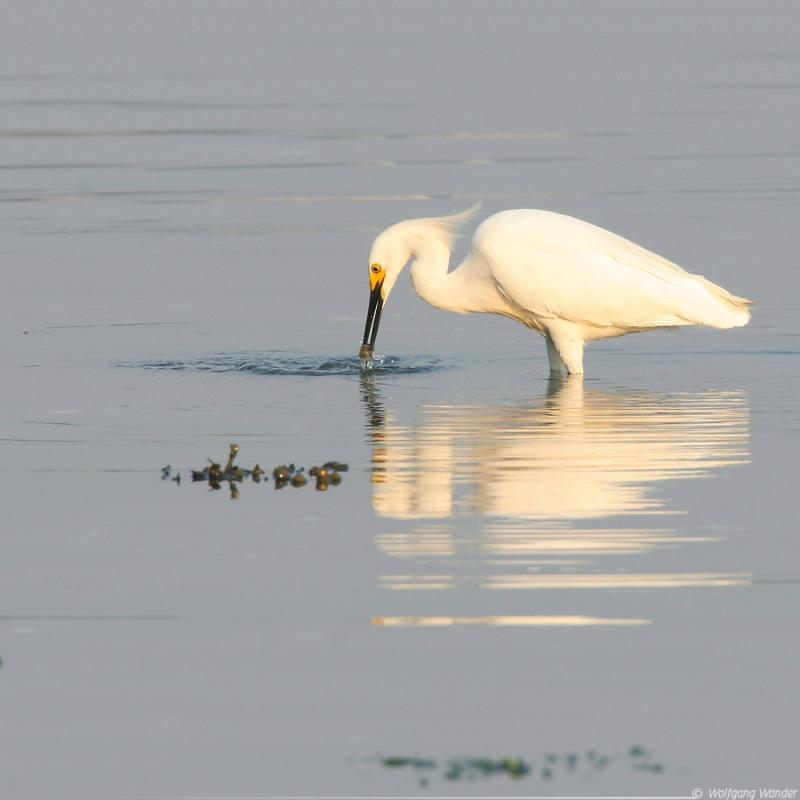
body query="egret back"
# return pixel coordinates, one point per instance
(555, 266)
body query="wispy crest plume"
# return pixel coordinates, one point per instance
(448, 228)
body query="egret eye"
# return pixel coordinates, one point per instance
(376, 268)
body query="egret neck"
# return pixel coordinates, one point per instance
(434, 284)
(467, 289)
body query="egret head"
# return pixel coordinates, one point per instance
(389, 254)
(391, 251)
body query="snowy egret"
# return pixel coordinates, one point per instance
(567, 279)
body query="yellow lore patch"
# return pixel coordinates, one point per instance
(376, 275)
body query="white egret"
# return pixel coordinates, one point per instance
(567, 279)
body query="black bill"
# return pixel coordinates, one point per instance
(372, 323)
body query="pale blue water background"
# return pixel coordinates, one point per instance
(198, 184)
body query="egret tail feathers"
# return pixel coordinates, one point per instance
(717, 307)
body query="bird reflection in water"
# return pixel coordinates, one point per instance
(538, 494)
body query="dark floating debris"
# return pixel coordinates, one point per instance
(282, 474)
(547, 768)
(406, 761)
(329, 474)
(166, 474)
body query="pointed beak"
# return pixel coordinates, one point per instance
(373, 316)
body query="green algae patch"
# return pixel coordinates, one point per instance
(548, 767)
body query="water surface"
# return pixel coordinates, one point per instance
(514, 568)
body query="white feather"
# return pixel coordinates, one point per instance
(557, 266)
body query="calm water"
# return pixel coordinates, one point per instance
(598, 578)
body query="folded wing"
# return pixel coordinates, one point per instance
(555, 266)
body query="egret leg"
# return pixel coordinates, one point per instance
(557, 366)
(568, 343)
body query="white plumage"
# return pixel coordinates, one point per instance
(567, 279)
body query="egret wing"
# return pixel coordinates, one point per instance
(559, 267)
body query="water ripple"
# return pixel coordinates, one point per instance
(293, 365)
